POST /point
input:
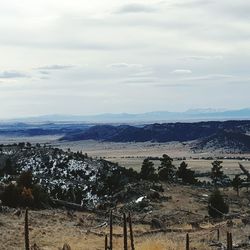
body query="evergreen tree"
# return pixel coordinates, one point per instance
(236, 183)
(187, 175)
(216, 172)
(148, 170)
(9, 168)
(216, 205)
(166, 170)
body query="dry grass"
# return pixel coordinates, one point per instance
(163, 243)
(160, 244)
(132, 154)
(50, 229)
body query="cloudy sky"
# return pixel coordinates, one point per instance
(90, 57)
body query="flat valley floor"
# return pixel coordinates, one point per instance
(131, 155)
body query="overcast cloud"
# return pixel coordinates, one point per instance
(81, 57)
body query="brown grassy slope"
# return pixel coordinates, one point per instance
(50, 229)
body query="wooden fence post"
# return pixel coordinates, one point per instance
(125, 232)
(111, 230)
(106, 242)
(131, 232)
(228, 241)
(26, 230)
(187, 241)
(231, 241)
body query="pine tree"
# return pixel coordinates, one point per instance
(148, 170)
(187, 175)
(236, 182)
(166, 170)
(216, 172)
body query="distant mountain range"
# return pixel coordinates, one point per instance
(229, 135)
(232, 136)
(156, 132)
(150, 117)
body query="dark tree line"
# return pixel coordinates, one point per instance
(166, 171)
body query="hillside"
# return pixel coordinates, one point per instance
(72, 177)
(40, 129)
(164, 228)
(227, 141)
(168, 132)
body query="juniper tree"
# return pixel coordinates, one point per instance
(187, 175)
(166, 170)
(148, 170)
(216, 172)
(236, 182)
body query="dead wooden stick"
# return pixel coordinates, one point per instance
(131, 232)
(26, 230)
(218, 234)
(187, 241)
(111, 230)
(106, 242)
(125, 236)
(231, 241)
(228, 241)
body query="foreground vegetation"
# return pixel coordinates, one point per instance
(166, 201)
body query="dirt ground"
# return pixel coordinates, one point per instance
(185, 212)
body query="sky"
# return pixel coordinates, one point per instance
(112, 56)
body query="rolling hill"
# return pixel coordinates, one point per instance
(228, 134)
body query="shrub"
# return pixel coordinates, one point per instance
(25, 179)
(25, 193)
(11, 196)
(8, 168)
(27, 198)
(41, 197)
(216, 205)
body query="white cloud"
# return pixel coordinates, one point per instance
(12, 74)
(136, 8)
(128, 53)
(125, 65)
(181, 71)
(55, 67)
(209, 77)
(202, 57)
